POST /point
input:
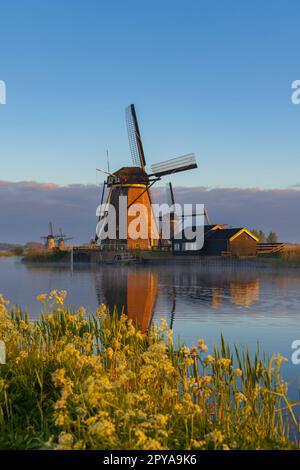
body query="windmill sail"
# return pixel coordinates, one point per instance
(135, 141)
(175, 165)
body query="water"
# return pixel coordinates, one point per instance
(246, 306)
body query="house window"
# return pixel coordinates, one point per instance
(191, 246)
(176, 246)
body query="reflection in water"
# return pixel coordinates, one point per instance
(131, 291)
(216, 297)
(246, 306)
(135, 290)
(244, 293)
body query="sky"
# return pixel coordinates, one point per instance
(27, 207)
(212, 78)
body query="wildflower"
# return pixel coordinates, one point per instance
(279, 359)
(104, 428)
(60, 420)
(206, 379)
(238, 372)
(42, 297)
(209, 358)
(240, 397)
(109, 353)
(22, 355)
(3, 385)
(23, 325)
(216, 437)
(3, 301)
(102, 311)
(225, 362)
(59, 377)
(65, 441)
(58, 297)
(139, 336)
(185, 351)
(201, 345)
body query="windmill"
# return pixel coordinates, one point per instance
(50, 239)
(61, 239)
(175, 224)
(135, 183)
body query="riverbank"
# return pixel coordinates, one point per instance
(46, 256)
(96, 257)
(98, 382)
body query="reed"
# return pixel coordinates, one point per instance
(78, 381)
(291, 254)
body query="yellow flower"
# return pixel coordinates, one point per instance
(58, 297)
(65, 441)
(23, 325)
(102, 311)
(185, 351)
(58, 377)
(201, 345)
(42, 297)
(109, 353)
(279, 359)
(206, 379)
(239, 396)
(209, 358)
(3, 385)
(225, 362)
(238, 372)
(22, 355)
(3, 301)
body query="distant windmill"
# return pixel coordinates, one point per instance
(177, 220)
(50, 239)
(61, 239)
(135, 183)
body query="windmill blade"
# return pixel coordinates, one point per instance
(171, 194)
(175, 165)
(103, 191)
(134, 136)
(206, 217)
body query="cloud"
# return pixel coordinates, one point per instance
(26, 208)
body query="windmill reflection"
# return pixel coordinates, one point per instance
(133, 291)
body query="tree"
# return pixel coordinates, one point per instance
(255, 232)
(272, 237)
(261, 237)
(18, 251)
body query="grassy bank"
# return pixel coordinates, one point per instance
(46, 256)
(74, 381)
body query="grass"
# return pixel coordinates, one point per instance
(46, 256)
(78, 381)
(6, 254)
(291, 254)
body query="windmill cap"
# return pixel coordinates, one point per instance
(132, 175)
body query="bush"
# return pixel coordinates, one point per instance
(78, 381)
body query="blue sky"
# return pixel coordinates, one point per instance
(209, 77)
